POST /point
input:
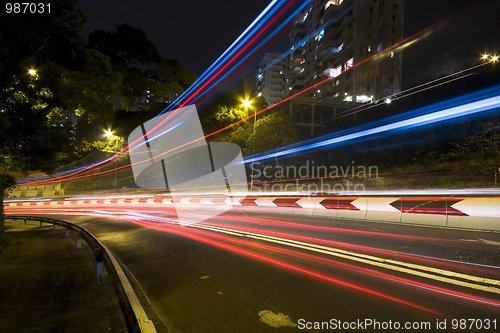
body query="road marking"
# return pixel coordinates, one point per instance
(390, 264)
(481, 240)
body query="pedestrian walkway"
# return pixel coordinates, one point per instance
(47, 284)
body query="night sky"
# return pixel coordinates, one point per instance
(197, 32)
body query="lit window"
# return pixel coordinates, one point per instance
(333, 2)
(349, 63)
(392, 54)
(369, 48)
(338, 71)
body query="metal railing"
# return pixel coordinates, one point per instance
(133, 312)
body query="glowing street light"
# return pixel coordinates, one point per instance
(109, 134)
(494, 58)
(32, 72)
(247, 103)
(485, 56)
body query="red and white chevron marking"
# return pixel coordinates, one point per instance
(474, 206)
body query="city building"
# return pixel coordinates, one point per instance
(142, 101)
(332, 36)
(271, 78)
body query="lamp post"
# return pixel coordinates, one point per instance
(248, 104)
(109, 134)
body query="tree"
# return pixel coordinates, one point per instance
(272, 131)
(47, 69)
(6, 182)
(144, 71)
(480, 151)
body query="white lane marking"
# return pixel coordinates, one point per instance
(370, 260)
(481, 240)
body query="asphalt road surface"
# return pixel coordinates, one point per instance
(255, 272)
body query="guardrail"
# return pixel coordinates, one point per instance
(135, 316)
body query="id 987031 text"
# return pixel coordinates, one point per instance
(27, 8)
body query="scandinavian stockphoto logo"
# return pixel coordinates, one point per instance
(172, 154)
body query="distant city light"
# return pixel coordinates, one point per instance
(387, 101)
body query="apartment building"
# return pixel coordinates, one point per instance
(271, 78)
(345, 47)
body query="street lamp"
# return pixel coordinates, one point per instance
(32, 72)
(109, 134)
(494, 58)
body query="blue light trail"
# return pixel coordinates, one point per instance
(231, 50)
(358, 134)
(237, 65)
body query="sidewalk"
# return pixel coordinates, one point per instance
(47, 284)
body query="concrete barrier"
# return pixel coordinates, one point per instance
(454, 212)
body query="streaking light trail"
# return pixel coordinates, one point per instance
(231, 49)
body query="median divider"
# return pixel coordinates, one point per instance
(471, 212)
(133, 312)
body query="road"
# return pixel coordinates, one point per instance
(245, 272)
